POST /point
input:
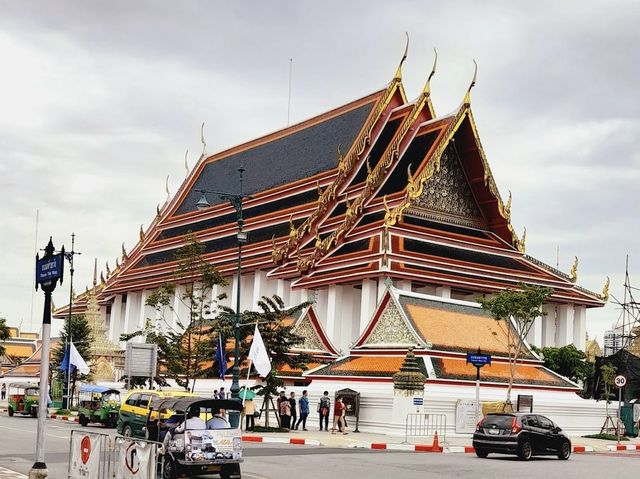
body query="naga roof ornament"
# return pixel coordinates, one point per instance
(125, 257)
(522, 242)
(467, 97)
(605, 290)
(573, 275)
(186, 164)
(202, 140)
(166, 188)
(141, 233)
(398, 75)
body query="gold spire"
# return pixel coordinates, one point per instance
(427, 86)
(522, 242)
(467, 97)
(141, 233)
(95, 273)
(573, 275)
(605, 290)
(398, 75)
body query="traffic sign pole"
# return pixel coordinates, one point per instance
(478, 360)
(620, 381)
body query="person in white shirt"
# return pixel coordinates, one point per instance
(218, 421)
(194, 421)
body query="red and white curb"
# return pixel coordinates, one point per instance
(64, 418)
(398, 447)
(281, 440)
(624, 447)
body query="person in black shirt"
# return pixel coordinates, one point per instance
(294, 414)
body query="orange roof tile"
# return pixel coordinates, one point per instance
(19, 350)
(378, 366)
(456, 329)
(447, 368)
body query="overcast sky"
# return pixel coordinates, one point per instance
(100, 100)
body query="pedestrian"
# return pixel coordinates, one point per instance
(324, 405)
(3, 391)
(304, 410)
(215, 394)
(294, 409)
(249, 414)
(285, 412)
(222, 394)
(338, 416)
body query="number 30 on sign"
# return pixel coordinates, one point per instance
(620, 381)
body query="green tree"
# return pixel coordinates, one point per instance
(183, 351)
(516, 310)
(279, 339)
(82, 340)
(568, 361)
(4, 334)
(608, 374)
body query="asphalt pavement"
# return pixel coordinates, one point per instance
(274, 461)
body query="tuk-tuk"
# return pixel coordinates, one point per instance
(23, 399)
(98, 404)
(197, 439)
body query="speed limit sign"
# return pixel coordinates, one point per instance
(620, 381)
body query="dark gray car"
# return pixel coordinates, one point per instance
(523, 434)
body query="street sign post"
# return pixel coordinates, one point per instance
(49, 270)
(478, 360)
(620, 381)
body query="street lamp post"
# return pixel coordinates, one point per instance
(236, 201)
(68, 394)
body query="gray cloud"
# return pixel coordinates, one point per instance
(101, 99)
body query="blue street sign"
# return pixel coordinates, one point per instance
(418, 401)
(49, 269)
(478, 360)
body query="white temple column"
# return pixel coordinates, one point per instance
(334, 309)
(131, 313)
(178, 313)
(321, 304)
(145, 312)
(443, 291)
(565, 325)
(549, 326)
(259, 287)
(368, 301)
(295, 296)
(534, 338)
(382, 288)
(579, 327)
(283, 289)
(114, 323)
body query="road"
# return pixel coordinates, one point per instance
(269, 461)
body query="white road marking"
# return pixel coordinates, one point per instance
(33, 432)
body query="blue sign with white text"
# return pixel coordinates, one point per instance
(478, 360)
(49, 269)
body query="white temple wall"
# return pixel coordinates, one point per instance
(549, 326)
(350, 321)
(283, 289)
(564, 324)
(131, 315)
(321, 297)
(368, 302)
(580, 327)
(443, 291)
(335, 310)
(115, 327)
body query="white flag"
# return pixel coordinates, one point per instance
(258, 354)
(76, 360)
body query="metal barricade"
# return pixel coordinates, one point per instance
(89, 455)
(136, 458)
(425, 425)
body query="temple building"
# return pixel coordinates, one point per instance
(388, 218)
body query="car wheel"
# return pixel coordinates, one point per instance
(525, 451)
(169, 469)
(482, 453)
(83, 420)
(230, 471)
(127, 431)
(10, 411)
(565, 451)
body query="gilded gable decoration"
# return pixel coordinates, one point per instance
(447, 194)
(392, 329)
(312, 341)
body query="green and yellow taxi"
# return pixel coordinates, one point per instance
(134, 411)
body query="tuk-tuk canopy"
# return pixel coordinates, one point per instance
(185, 403)
(23, 385)
(93, 388)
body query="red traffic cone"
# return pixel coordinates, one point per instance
(436, 445)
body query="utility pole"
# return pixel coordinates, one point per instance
(66, 397)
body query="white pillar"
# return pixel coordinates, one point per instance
(443, 291)
(549, 326)
(534, 338)
(295, 296)
(259, 287)
(368, 301)
(565, 325)
(334, 300)
(178, 313)
(114, 321)
(283, 289)
(382, 288)
(579, 327)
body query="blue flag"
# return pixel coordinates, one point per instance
(72, 356)
(220, 358)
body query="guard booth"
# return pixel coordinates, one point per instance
(351, 400)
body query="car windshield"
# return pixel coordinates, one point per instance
(502, 422)
(31, 392)
(115, 397)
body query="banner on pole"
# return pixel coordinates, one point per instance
(136, 460)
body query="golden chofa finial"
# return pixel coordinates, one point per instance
(141, 233)
(398, 75)
(573, 275)
(605, 290)
(125, 257)
(202, 140)
(467, 97)
(166, 188)
(523, 241)
(427, 86)
(507, 207)
(186, 163)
